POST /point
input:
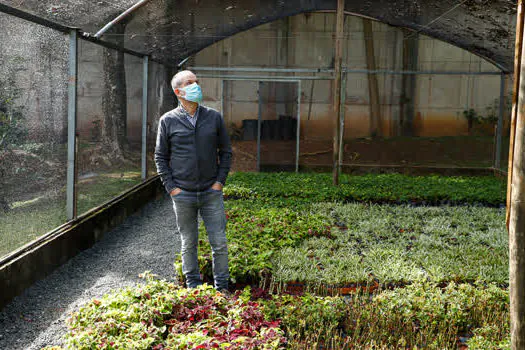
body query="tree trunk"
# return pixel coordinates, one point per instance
(114, 102)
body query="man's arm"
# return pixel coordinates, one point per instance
(162, 157)
(225, 152)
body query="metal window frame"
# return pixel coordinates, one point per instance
(499, 127)
(144, 155)
(71, 203)
(332, 71)
(260, 80)
(345, 72)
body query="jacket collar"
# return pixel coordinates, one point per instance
(183, 115)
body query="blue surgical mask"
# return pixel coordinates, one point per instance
(193, 93)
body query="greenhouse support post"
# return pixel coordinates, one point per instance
(298, 133)
(342, 121)
(259, 126)
(144, 167)
(373, 87)
(71, 207)
(338, 62)
(221, 93)
(517, 230)
(515, 97)
(499, 128)
(516, 222)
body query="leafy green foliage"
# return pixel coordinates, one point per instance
(490, 337)
(426, 316)
(294, 239)
(255, 233)
(161, 315)
(307, 317)
(384, 188)
(461, 306)
(299, 229)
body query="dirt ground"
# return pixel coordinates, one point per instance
(446, 152)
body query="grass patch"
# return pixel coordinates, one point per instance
(94, 191)
(396, 245)
(30, 219)
(27, 222)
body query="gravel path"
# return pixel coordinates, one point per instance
(145, 241)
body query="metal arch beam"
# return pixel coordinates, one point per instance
(121, 17)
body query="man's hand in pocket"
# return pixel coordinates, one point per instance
(217, 186)
(175, 192)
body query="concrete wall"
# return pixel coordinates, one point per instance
(305, 41)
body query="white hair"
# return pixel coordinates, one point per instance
(179, 78)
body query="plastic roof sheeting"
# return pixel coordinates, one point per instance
(171, 30)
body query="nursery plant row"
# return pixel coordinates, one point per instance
(289, 230)
(383, 188)
(162, 315)
(344, 245)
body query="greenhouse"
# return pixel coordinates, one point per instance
(375, 146)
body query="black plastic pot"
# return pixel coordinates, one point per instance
(249, 127)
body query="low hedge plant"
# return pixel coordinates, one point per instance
(383, 188)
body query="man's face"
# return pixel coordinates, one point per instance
(188, 80)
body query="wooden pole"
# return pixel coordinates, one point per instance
(339, 32)
(373, 88)
(515, 94)
(342, 121)
(408, 82)
(516, 223)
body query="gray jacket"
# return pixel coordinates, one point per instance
(192, 158)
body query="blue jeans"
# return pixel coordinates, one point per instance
(210, 204)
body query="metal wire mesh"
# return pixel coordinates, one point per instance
(161, 99)
(422, 119)
(172, 31)
(109, 124)
(33, 128)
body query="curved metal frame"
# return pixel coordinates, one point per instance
(121, 17)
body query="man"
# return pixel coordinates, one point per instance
(193, 157)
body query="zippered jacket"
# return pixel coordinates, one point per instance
(192, 158)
